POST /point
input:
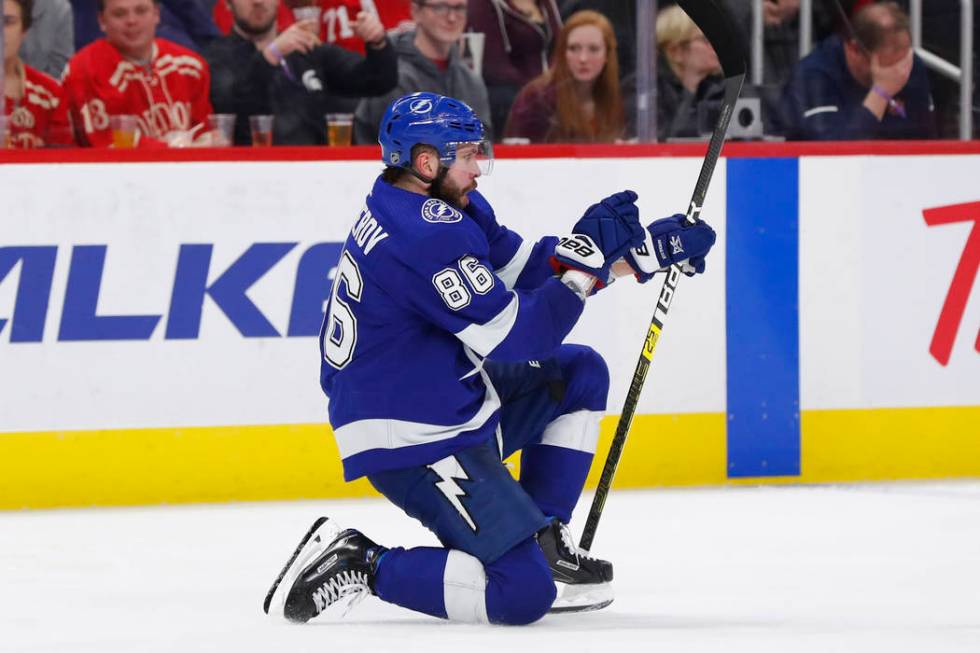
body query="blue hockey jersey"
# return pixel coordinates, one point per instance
(423, 292)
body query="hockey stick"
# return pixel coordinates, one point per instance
(718, 26)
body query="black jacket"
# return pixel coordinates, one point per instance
(677, 108)
(298, 92)
(824, 102)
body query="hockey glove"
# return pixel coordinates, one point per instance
(672, 240)
(601, 237)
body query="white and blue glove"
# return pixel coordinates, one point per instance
(601, 237)
(669, 241)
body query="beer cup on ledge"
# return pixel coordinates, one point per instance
(261, 130)
(222, 129)
(339, 128)
(124, 128)
(5, 127)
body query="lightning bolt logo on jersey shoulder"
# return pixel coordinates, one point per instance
(450, 471)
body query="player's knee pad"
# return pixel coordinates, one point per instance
(586, 377)
(465, 588)
(520, 588)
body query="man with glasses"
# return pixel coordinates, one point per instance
(428, 60)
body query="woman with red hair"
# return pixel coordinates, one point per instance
(578, 99)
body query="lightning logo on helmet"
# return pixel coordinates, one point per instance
(421, 106)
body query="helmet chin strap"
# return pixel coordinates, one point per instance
(418, 175)
(426, 180)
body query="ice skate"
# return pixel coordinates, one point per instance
(327, 566)
(321, 533)
(584, 583)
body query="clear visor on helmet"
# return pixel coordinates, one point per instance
(477, 155)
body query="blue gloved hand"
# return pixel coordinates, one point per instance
(672, 240)
(601, 237)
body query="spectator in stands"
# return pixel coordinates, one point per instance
(34, 105)
(428, 60)
(520, 35)
(51, 40)
(185, 22)
(869, 85)
(131, 72)
(578, 99)
(292, 75)
(781, 33)
(336, 18)
(622, 16)
(688, 79)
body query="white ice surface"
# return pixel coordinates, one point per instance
(852, 568)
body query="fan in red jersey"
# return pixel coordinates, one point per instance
(336, 18)
(34, 106)
(131, 72)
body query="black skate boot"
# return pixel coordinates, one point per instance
(584, 583)
(327, 566)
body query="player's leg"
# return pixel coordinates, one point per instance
(551, 411)
(492, 569)
(554, 465)
(557, 433)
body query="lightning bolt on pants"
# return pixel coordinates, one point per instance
(491, 569)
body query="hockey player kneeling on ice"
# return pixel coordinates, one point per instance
(442, 354)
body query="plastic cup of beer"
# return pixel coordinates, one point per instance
(5, 139)
(261, 127)
(339, 128)
(222, 128)
(308, 13)
(124, 129)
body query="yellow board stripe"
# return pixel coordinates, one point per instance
(892, 443)
(243, 463)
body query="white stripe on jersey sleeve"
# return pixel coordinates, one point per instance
(513, 268)
(366, 434)
(482, 338)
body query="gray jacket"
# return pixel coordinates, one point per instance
(50, 42)
(417, 73)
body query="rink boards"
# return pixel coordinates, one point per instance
(158, 322)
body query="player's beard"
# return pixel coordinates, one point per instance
(445, 189)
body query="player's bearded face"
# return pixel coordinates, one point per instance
(452, 184)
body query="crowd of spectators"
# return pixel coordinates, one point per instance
(537, 71)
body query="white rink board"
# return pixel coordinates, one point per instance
(144, 212)
(873, 277)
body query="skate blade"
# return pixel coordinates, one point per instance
(582, 598)
(321, 534)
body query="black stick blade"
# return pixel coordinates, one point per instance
(717, 23)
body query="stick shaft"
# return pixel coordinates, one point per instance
(733, 86)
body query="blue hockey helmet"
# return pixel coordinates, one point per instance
(431, 119)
